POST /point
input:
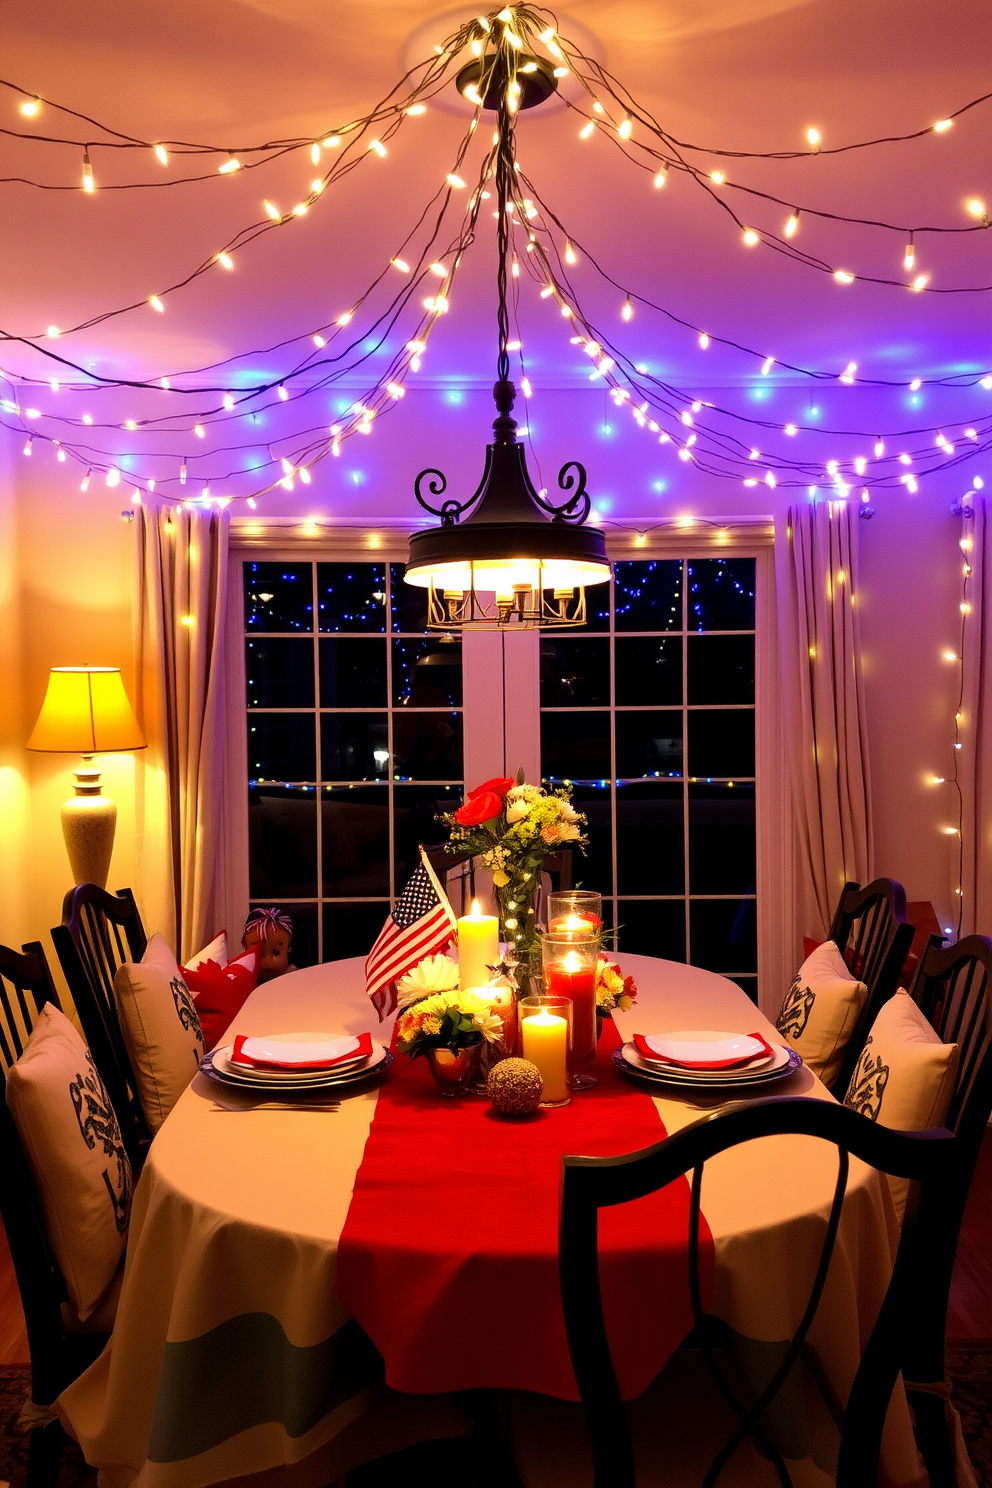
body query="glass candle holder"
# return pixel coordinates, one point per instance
(575, 912)
(570, 967)
(546, 1040)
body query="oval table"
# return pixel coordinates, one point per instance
(233, 1356)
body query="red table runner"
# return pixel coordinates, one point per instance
(449, 1254)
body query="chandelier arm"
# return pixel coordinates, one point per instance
(578, 504)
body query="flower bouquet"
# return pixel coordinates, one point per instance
(512, 826)
(613, 989)
(448, 1027)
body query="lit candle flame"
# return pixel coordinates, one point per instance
(572, 962)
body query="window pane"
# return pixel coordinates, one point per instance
(575, 746)
(281, 746)
(352, 673)
(427, 746)
(416, 809)
(409, 602)
(650, 842)
(594, 868)
(721, 742)
(723, 934)
(648, 670)
(282, 843)
(721, 839)
(721, 669)
(428, 673)
(351, 929)
(575, 674)
(279, 674)
(354, 746)
(351, 596)
(278, 596)
(355, 824)
(652, 927)
(721, 593)
(303, 948)
(649, 744)
(648, 595)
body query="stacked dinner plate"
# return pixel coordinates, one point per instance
(297, 1062)
(706, 1059)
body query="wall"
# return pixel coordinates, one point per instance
(66, 585)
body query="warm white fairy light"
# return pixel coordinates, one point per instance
(231, 164)
(942, 125)
(272, 210)
(89, 185)
(909, 257)
(920, 282)
(161, 154)
(843, 276)
(704, 339)
(718, 178)
(378, 147)
(767, 366)
(587, 130)
(661, 178)
(814, 138)
(156, 304)
(627, 313)
(570, 254)
(31, 108)
(283, 393)
(318, 340)
(455, 182)
(848, 373)
(199, 431)
(27, 446)
(916, 384)
(792, 225)
(750, 237)
(225, 260)
(401, 264)
(228, 402)
(84, 484)
(977, 209)
(625, 128)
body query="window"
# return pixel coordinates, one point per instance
(354, 744)
(649, 711)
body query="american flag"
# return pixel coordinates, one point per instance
(422, 923)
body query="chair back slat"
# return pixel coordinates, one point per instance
(98, 933)
(915, 1298)
(953, 990)
(874, 935)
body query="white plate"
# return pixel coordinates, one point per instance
(786, 1062)
(329, 1079)
(692, 1046)
(224, 1063)
(299, 1048)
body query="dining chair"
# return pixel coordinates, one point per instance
(57, 1357)
(953, 989)
(874, 934)
(99, 931)
(589, 1184)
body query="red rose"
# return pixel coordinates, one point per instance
(478, 809)
(494, 787)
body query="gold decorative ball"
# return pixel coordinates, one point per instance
(515, 1087)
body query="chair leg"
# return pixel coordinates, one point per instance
(933, 1438)
(45, 1456)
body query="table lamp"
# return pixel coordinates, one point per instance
(86, 711)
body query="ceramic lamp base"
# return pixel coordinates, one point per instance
(89, 820)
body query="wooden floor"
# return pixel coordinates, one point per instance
(969, 1315)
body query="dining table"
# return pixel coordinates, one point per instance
(235, 1356)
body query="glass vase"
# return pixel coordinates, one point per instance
(456, 1071)
(518, 927)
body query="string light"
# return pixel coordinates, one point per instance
(751, 237)
(792, 225)
(661, 178)
(156, 304)
(272, 211)
(814, 139)
(89, 185)
(909, 257)
(627, 313)
(942, 125)
(225, 260)
(31, 108)
(230, 165)
(161, 154)
(84, 484)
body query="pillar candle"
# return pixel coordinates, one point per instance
(571, 977)
(545, 1041)
(478, 947)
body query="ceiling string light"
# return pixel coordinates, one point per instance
(507, 557)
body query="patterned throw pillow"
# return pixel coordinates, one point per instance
(72, 1142)
(905, 1076)
(161, 1029)
(821, 1010)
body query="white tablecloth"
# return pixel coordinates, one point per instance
(232, 1354)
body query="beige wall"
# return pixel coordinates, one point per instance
(65, 597)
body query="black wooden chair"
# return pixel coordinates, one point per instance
(57, 1357)
(953, 989)
(99, 931)
(873, 932)
(915, 1299)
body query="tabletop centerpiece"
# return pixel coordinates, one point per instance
(512, 826)
(448, 1025)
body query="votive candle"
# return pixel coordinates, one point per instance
(544, 1036)
(574, 977)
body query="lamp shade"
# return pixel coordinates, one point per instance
(86, 711)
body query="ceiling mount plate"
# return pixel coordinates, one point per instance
(535, 76)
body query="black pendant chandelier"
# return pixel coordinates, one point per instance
(506, 557)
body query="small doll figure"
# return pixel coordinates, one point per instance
(269, 933)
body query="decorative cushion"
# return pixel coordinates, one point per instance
(215, 951)
(161, 1029)
(821, 1009)
(220, 992)
(72, 1142)
(905, 1077)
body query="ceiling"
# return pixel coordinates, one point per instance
(736, 74)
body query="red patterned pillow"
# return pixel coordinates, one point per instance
(220, 992)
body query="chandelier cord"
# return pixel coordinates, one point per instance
(503, 77)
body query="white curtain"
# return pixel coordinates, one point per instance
(823, 714)
(974, 763)
(190, 800)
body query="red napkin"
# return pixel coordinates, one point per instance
(644, 1049)
(364, 1050)
(219, 993)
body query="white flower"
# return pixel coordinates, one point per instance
(567, 812)
(528, 793)
(490, 1025)
(432, 974)
(516, 810)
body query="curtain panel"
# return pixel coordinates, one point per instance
(973, 767)
(189, 799)
(825, 733)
